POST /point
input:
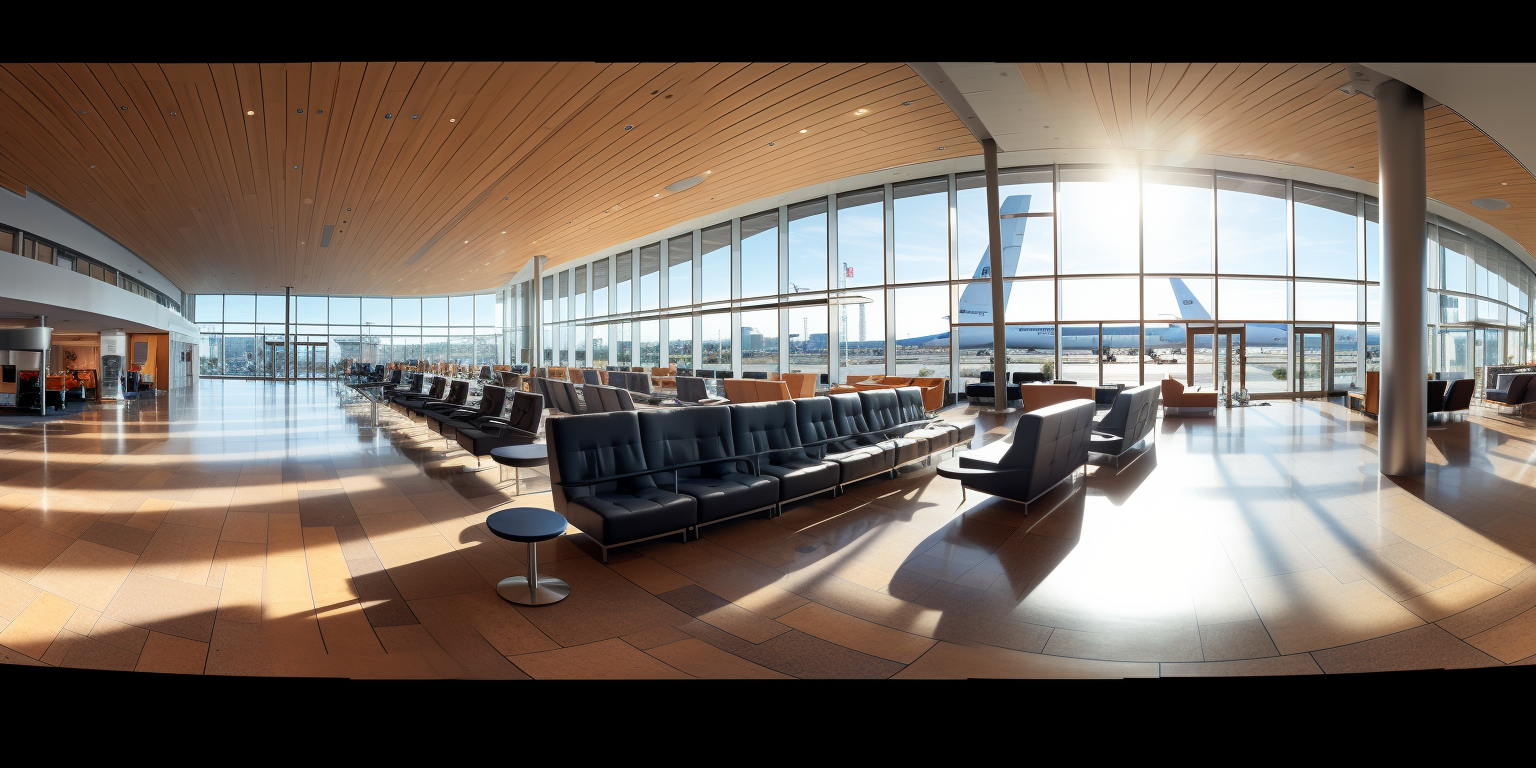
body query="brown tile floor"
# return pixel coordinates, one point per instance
(258, 529)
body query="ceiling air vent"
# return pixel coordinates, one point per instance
(325, 236)
(1490, 203)
(688, 183)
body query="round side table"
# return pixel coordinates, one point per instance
(530, 525)
(519, 456)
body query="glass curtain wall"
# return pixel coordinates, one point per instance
(243, 334)
(1114, 275)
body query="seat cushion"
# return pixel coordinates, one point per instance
(803, 477)
(905, 448)
(1498, 395)
(862, 462)
(730, 494)
(614, 518)
(937, 436)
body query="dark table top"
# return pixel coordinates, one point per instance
(526, 524)
(527, 455)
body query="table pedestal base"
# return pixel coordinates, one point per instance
(549, 590)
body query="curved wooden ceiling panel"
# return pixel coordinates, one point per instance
(436, 177)
(1290, 113)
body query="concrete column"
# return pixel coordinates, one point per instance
(1400, 137)
(995, 251)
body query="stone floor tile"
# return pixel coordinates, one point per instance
(700, 659)
(1311, 610)
(168, 654)
(605, 660)
(951, 661)
(1296, 664)
(857, 634)
(1427, 647)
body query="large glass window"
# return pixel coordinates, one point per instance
(1372, 240)
(680, 271)
(861, 238)
(922, 331)
(649, 353)
(716, 266)
(407, 312)
(1325, 233)
(1100, 298)
(760, 255)
(623, 266)
(600, 287)
(715, 345)
(346, 311)
(1254, 299)
(650, 277)
(1326, 302)
(808, 340)
(209, 308)
(760, 340)
(921, 230)
(680, 342)
(1177, 207)
(862, 337)
(808, 247)
(241, 308)
(1250, 226)
(1099, 221)
(1029, 241)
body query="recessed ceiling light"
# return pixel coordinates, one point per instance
(906, 103)
(861, 111)
(173, 114)
(802, 130)
(453, 119)
(503, 231)
(706, 173)
(1503, 183)
(250, 111)
(629, 127)
(413, 117)
(658, 194)
(93, 166)
(466, 242)
(770, 143)
(389, 115)
(301, 111)
(1491, 203)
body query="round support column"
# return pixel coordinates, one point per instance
(1401, 430)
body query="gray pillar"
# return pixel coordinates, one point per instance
(536, 311)
(1400, 135)
(995, 250)
(288, 334)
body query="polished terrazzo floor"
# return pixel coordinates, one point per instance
(261, 529)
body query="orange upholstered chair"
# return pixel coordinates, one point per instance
(1037, 396)
(801, 384)
(665, 377)
(740, 390)
(1175, 397)
(769, 391)
(933, 392)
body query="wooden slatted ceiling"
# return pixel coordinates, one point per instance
(1291, 113)
(221, 200)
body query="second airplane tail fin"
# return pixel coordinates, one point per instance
(1190, 307)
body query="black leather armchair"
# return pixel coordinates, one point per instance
(521, 426)
(434, 394)
(458, 395)
(1048, 447)
(691, 391)
(418, 381)
(769, 431)
(1436, 399)
(601, 483)
(1129, 421)
(1459, 398)
(701, 440)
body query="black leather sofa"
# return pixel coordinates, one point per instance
(985, 391)
(1049, 445)
(730, 460)
(1516, 394)
(1129, 421)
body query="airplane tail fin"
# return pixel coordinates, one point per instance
(1190, 307)
(980, 294)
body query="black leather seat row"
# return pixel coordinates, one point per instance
(631, 476)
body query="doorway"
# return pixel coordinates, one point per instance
(311, 359)
(1227, 363)
(274, 361)
(1313, 353)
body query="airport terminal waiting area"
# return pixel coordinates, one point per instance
(368, 528)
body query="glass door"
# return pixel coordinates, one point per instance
(1314, 361)
(1455, 352)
